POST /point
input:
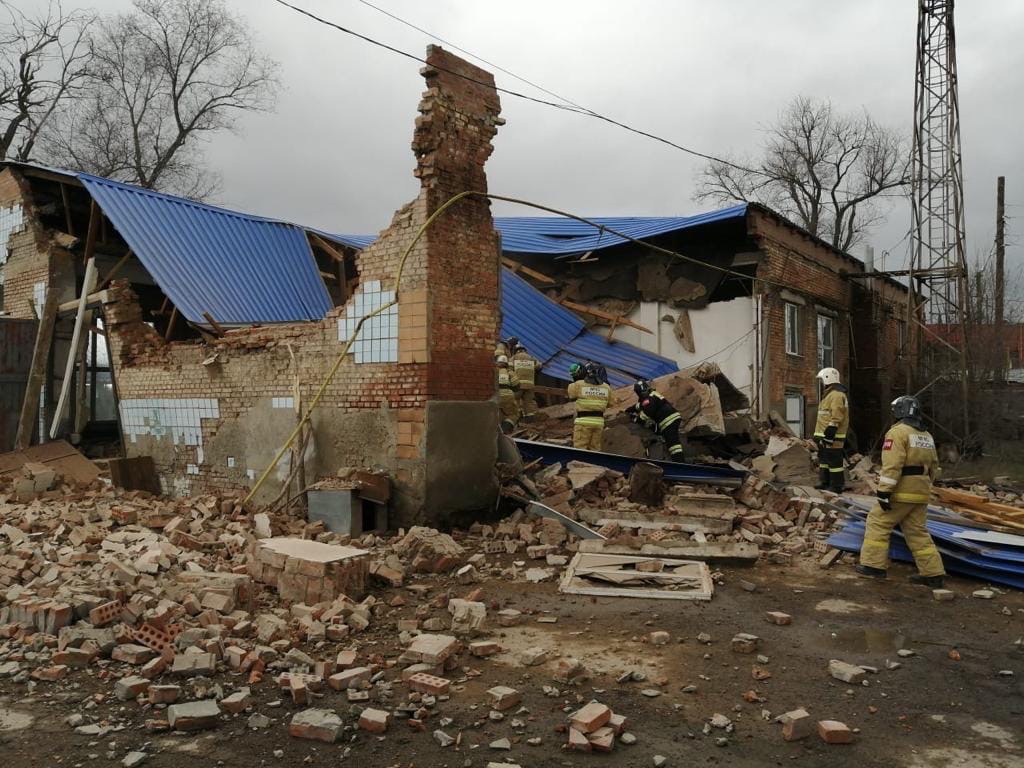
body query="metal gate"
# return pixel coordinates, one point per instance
(17, 340)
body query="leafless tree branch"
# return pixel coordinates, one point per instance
(166, 77)
(823, 169)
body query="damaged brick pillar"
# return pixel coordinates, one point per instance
(459, 117)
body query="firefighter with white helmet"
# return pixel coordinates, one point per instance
(830, 431)
(910, 465)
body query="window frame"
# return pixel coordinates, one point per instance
(824, 318)
(791, 328)
(798, 425)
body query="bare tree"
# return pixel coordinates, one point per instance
(166, 76)
(821, 168)
(43, 63)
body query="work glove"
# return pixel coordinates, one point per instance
(884, 500)
(830, 432)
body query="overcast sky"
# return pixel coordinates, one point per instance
(708, 75)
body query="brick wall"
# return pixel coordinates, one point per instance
(235, 408)
(865, 347)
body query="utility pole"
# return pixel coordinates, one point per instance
(1000, 277)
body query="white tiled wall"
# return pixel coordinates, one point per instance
(12, 219)
(377, 341)
(283, 402)
(176, 418)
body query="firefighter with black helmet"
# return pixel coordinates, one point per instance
(656, 413)
(910, 465)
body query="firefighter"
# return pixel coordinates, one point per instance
(506, 347)
(525, 368)
(655, 412)
(508, 384)
(830, 432)
(909, 467)
(592, 398)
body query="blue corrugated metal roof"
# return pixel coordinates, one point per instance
(558, 338)
(556, 235)
(238, 268)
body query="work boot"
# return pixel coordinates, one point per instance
(837, 482)
(867, 570)
(932, 582)
(823, 480)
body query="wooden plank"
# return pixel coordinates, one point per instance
(114, 270)
(67, 210)
(76, 339)
(329, 248)
(37, 373)
(95, 214)
(59, 455)
(217, 327)
(170, 324)
(135, 474)
(94, 299)
(516, 266)
(619, 319)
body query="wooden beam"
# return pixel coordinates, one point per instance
(94, 227)
(67, 209)
(37, 373)
(326, 247)
(170, 324)
(114, 270)
(217, 327)
(516, 266)
(76, 339)
(617, 319)
(93, 299)
(328, 276)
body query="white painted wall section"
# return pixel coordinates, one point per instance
(723, 333)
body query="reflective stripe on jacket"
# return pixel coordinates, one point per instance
(833, 411)
(508, 382)
(525, 368)
(657, 412)
(592, 400)
(909, 464)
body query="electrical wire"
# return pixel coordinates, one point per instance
(567, 107)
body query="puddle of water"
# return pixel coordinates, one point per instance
(865, 640)
(10, 720)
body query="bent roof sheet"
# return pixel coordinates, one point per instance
(558, 338)
(558, 235)
(237, 267)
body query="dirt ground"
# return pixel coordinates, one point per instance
(932, 712)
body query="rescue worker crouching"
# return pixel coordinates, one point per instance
(656, 413)
(525, 368)
(909, 467)
(830, 432)
(592, 398)
(508, 384)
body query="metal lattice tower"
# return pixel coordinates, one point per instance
(938, 266)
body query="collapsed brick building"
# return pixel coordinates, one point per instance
(222, 326)
(211, 404)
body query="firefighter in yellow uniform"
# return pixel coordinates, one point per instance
(909, 467)
(830, 431)
(592, 398)
(508, 384)
(525, 368)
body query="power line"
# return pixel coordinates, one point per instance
(472, 55)
(567, 107)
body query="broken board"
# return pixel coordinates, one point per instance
(738, 551)
(58, 455)
(542, 510)
(604, 575)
